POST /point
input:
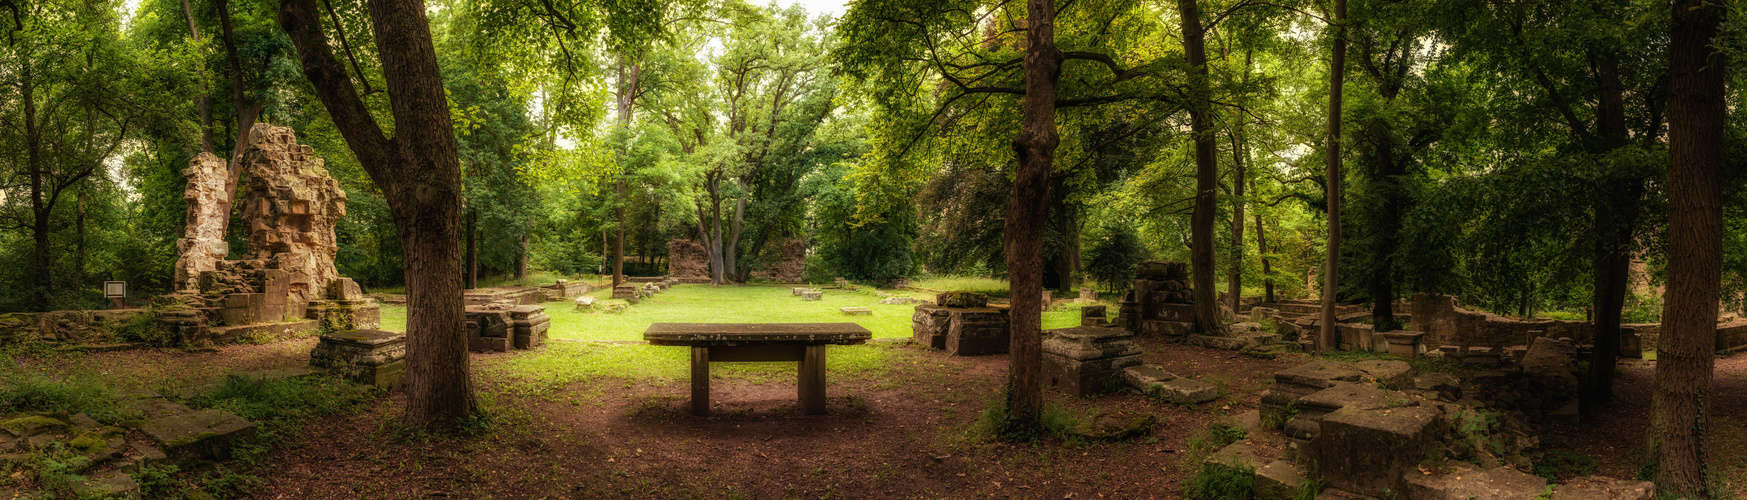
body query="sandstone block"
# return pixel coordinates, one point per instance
(1115, 426)
(1466, 483)
(200, 435)
(1367, 451)
(1605, 488)
(812, 295)
(961, 299)
(856, 311)
(1279, 480)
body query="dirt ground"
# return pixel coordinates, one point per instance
(903, 436)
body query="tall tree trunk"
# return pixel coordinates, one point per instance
(79, 241)
(203, 103)
(420, 177)
(1329, 338)
(1234, 271)
(629, 73)
(1679, 403)
(522, 258)
(1616, 214)
(39, 228)
(619, 233)
(1022, 232)
(1064, 225)
(1267, 267)
(731, 247)
(472, 271)
(718, 271)
(1207, 320)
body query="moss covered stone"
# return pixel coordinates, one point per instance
(35, 424)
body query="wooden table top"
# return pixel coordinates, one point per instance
(732, 334)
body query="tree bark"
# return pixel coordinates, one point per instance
(619, 233)
(1679, 404)
(1267, 269)
(731, 247)
(1022, 239)
(1616, 215)
(1329, 338)
(420, 177)
(1207, 320)
(522, 258)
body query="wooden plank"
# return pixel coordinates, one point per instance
(756, 352)
(713, 334)
(701, 381)
(812, 380)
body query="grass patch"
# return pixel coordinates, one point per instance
(1355, 356)
(979, 284)
(73, 393)
(545, 372)
(730, 304)
(1219, 482)
(1217, 435)
(282, 404)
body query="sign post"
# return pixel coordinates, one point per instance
(116, 292)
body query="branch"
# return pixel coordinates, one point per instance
(1121, 74)
(303, 26)
(347, 46)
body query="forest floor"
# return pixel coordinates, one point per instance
(586, 419)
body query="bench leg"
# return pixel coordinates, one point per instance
(812, 380)
(701, 381)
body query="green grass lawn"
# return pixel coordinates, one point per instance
(730, 304)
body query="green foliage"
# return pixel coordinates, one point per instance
(157, 481)
(279, 405)
(70, 393)
(1219, 482)
(1111, 258)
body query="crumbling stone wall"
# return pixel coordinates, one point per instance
(202, 245)
(1158, 304)
(789, 261)
(687, 259)
(291, 208)
(1445, 322)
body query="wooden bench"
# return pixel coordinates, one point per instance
(734, 342)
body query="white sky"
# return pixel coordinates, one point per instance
(814, 7)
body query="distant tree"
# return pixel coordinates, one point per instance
(1113, 254)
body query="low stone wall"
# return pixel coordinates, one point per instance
(519, 295)
(64, 326)
(1447, 323)
(1732, 336)
(788, 260)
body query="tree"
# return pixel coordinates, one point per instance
(1698, 109)
(1207, 319)
(1329, 339)
(420, 175)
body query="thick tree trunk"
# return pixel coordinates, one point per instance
(629, 74)
(1022, 234)
(1207, 318)
(718, 271)
(39, 211)
(1679, 404)
(1329, 338)
(420, 177)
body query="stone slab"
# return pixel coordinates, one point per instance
(730, 334)
(1186, 391)
(1605, 488)
(856, 311)
(1279, 480)
(204, 434)
(1466, 483)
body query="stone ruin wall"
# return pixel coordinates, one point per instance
(687, 259)
(789, 261)
(202, 245)
(291, 209)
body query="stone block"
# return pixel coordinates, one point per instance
(1465, 483)
(977, 331)
(1182, 313)
(627, 292)
(961, 299)
(1392, 374)
(1279, 480)
(584, 303)
(929, 325)
(1402, 343)
(1143, 377)
(1092, 316)
(1160, 270)
(898, 301)
(1085, 377)
(1367, 451)
(856, 311)
(488, 344)
(812, 295)
(528, 325)
(1605, 488)
(372, 357)
(344, 289)
(797, 290)
(1185, 391)
(1161, 328)
(200, 435)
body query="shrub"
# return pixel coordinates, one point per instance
(1111, 258)
(69, 394)
(1220, 482)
